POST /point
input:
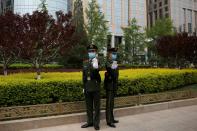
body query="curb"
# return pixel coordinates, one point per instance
(33, 123)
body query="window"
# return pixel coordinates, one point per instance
(166, 9)
(117, 16)
(166, 15)
(155, 13)
(160, 4)
(180, 28)
(166, 2)
(118, 40)
(151, 19)
(8, 3)
(160, 13)
(155, 6)
(195, 18)
(184, 27)
(190, 27)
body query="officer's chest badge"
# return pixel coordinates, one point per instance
(88, 78)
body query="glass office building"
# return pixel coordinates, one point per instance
(6, 5)
(28, 6)
(119, 12)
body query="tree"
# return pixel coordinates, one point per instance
(189, 49)
(44, 37)
(10, 39)
(96, 26)
(178, 49)
(134, 41)
(76, 55)
(43, 5)
(162, 27)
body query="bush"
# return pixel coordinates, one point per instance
(28, 66)
(22, 89)
(133, 66)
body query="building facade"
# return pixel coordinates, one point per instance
(6, 5)
(182, 12)
(119, 12)
(28, 6)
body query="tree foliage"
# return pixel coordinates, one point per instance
(44, 38)
(162, 27)
(134, 41)
(37, 38)
(179, 48)
(76, 55)
(10, 40)
(96, 26)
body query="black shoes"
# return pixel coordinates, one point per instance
(111, 125)
(86, 125)
(115, 121)
(96, 127)
(90, 125)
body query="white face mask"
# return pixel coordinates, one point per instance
(114, 56)
(91, 55)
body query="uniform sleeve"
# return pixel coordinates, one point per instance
(98, 77)
(105, 80)
(108, 68)
(84, 74)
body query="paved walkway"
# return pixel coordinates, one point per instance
(177, 119)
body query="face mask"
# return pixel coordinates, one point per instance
(91, 55)
(114, 56)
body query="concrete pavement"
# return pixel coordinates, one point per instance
(176, 119)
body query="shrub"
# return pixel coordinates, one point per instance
(28, 66)
(22, 89)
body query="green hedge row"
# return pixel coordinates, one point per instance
(134, 66)
(28, 66)
(42, 92)
(57, 66)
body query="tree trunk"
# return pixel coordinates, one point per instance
(38, 71)
(5, 72)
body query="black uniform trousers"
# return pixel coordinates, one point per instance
(110, 94)
(93, 100)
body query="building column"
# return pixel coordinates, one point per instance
(112, 41)
(123, 41)
(193, 21)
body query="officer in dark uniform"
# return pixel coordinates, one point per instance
(110, 85)
(91, 83)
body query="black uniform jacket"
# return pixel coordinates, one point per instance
(111, 77)
(91, 78)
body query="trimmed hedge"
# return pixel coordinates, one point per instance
(22, 89)
(29, 66)
(134, 66)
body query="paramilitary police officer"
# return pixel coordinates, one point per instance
(91, 82)
(110, 84)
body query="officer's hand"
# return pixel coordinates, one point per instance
(114, 65)
(95, 63)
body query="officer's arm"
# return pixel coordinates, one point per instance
(84, 77)
(98, 77)
(108, 68)
(105, 80)
(117, 73)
